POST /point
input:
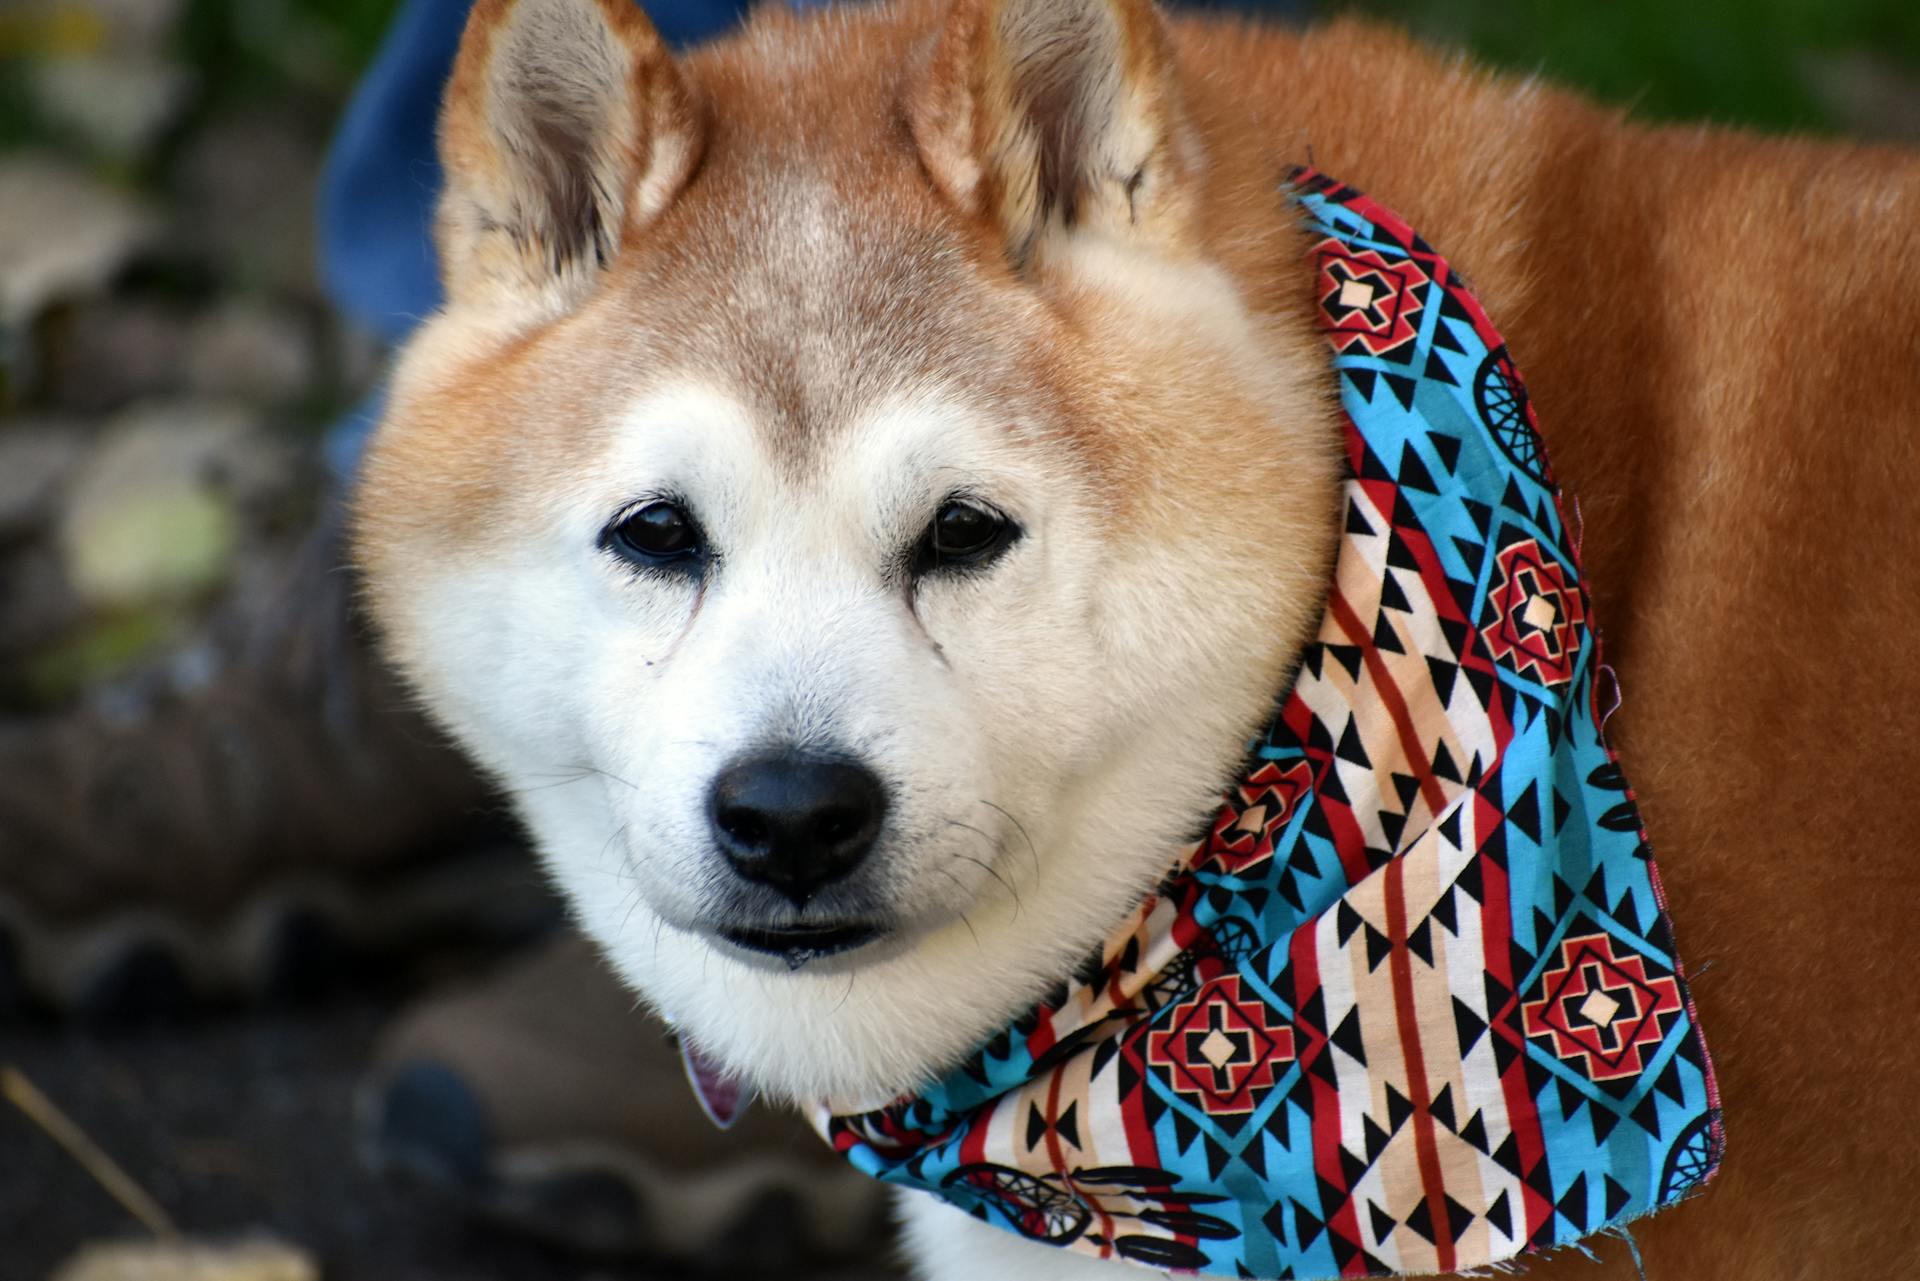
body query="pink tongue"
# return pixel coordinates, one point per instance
(722, 1097)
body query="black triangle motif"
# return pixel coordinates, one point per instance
(1617, 1197)
(1469, 880)
(1603, 1119)
(1217, 1157)
(1069, 1124)
(1306, 1225)
(1414, 473)
(1347, 1036)
(1399, 1108)
(1392, 825)
(1183, 1132)
(1402, 388)
(1562, 895)
(1350, 749)
(1468, 1026)
(1378, 948)
(1352, 1166)
(1399, 553)
(1420, 1219)
(1420, 942)
(1459, 1218)
(1670, 1084)
(1500, 1215)
(1479, 513)
(1345, 921)
(1525, 813)
(1391, 595)
(1291, 891)
(1627, 911)
(1254, 1155)
(1475, 1131)
(1385, 637)
(1646, 1114)
(1348, 656)
(1574, 1204)
(1570, 1099)
(1372, 1137)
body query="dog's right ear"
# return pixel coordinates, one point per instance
(566, 127)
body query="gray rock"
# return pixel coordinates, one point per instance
(61, 234)
(105, 352)
(154, 513)
(244, 193)
(120, 105)
(36, 458)
(38, 606)
(253, 351)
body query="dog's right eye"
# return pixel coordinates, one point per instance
(660, 534)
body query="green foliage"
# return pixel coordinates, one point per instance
(1730, 61)
(251, 48)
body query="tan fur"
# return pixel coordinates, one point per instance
(1722, 336)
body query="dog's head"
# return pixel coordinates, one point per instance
(856, 498)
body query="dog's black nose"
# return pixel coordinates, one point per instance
(796, 822)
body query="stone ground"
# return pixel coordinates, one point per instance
(241, 1125)
(168, 365)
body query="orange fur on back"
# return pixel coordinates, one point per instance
(1721, 333)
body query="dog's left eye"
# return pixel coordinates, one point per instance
(964, 534)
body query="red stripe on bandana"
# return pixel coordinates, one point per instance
(1424, 1144)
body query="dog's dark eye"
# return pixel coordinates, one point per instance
(660, 533)
(963, 534)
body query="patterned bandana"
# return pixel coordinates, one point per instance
(1413, 1005)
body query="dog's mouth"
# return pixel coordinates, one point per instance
(798, 944)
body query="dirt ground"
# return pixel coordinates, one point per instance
(242, 1125)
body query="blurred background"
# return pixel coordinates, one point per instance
(226, 1010)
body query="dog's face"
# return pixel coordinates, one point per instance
(845, 503)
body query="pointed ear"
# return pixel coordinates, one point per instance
(1044, 114)
(566, 126)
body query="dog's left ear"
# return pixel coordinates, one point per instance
(1046, 115)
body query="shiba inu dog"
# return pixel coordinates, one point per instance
(814, 498)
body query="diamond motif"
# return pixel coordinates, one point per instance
(1536, 615)
(1600, 1010)
(1223, 1049)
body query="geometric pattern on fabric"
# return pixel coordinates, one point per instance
(1412, 1005)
